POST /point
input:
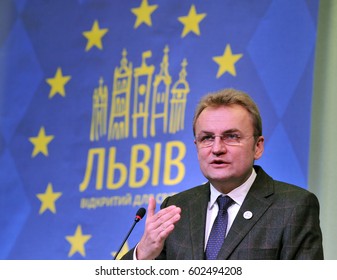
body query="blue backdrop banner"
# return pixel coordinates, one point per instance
(97, 100)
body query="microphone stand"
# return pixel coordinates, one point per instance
(127, 236)
(139, 215)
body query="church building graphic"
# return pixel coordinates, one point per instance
(158, 106)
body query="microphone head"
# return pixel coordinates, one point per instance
(140, 214)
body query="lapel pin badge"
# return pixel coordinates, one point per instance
(248, 215)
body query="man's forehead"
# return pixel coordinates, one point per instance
(224, 118)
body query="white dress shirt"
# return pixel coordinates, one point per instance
(238, 195)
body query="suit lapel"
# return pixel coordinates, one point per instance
(256, 203)
(197, 209)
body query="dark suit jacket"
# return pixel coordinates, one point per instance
(284, 225)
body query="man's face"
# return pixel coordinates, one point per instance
(227, 166)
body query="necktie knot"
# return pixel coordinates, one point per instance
(224, 202)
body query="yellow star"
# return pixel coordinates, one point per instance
(143, 13)
(57, 83)
(226, 62)
(123, 251)
(48, 199)
(94, 36)
(41, 142)
(191, 22)
(77, 242)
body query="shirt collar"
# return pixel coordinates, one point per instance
(238, 194)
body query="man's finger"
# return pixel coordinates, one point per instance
(151, 208)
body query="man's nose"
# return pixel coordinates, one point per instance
(219, 145)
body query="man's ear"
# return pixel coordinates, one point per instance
(259, 147)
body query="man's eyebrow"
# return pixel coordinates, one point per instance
(232, 130)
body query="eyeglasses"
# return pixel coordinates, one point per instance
(231, 139)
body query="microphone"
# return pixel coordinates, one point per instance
(139, 215)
